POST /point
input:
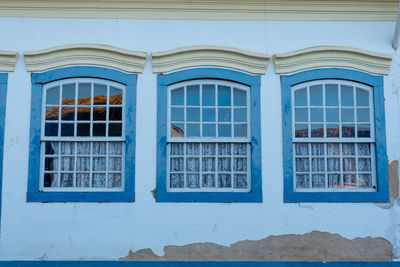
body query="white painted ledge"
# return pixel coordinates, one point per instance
(209, 56)
(8, 60)
(85, 54)
(332, 56)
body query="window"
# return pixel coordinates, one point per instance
(84, 139)
(209, 144)
(334, 137)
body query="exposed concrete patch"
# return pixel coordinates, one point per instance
(393, 185)
(314, 246)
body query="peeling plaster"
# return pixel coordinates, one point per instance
(393, 185)
(314, 246)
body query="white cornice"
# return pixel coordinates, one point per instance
(85, 54)
(8, 60)
(354, 10)
(332, 56)
(215, 56)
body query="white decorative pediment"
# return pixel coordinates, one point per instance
(85, 54)
(8, 60)
(332, 56)
(209, 56)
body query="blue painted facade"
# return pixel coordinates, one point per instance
(3, 100)
(163, 81)
(38, 80)
(376, 82)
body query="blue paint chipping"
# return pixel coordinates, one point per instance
(376, 82)
(255, 195)
(3, 99)
(38, 80)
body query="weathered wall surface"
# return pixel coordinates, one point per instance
(72, 231)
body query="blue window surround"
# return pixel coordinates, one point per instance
(3, 98)
(376, 82)
(163, 81)
(38, 80)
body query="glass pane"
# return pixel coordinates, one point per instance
(333, 149)
(224, 181)
(114, 180)
(240, 181)
(209, 130)
(176, 165)
(317, 149)
(66, 180)
(99, 164)
(115, 96)
(224, 130)
(192, 149)
(331, 95)
(224, 164)
(176, 181)
(349, 164)
(115, 148)
(347, 115)
(240, 115)
(363, 130)
(240, 164)
(363, 114)
(316, 95)
(349, 180)
(301, 130)
(224, 95)
(317, 130)
(67, 129)
(99, 180)
(318, 181)
(347, 95)
(115, 129)
(332, 130)
(99, 114)
(208, 149)
(83, 148)
(67, 148)
(83, 163)
(68, 114)
(177, 130)
(332, 114)
(362, 97)
(193, 130)
(84, 93)
(348, 130)
(68, 94)
(208, 180)
(239, 97)
(52, 113)
(177, 97)
(193, 114)
(83, 129)
(51, 148)
(51, 129)
(192, 164)
(224, 114)
(363, 150)
(333, 165)
(302, 181)
(333, 180)
(239, 149)
(365, 180)
(317, 115)
(177, 149)
(208, 164)
(193, 95)
(364, 164)
(224, 149)
(300, 97)
(301, 115)
(53, 95)
(302, 165)
(318, 165)
(100, 94)
(208, 95)
(193, 180)
(115, 164)
(115, 114)
(99, 148)
(208, 114)
(348, 150)
(50, 180)
(99, 129)
(83, 114)
(240, 130)
(301, 149)
(51, 164)
(67, 163)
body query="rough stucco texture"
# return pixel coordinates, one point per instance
(314, 246)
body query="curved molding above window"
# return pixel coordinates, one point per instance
(85, 54)
(332, 56)
(213, 56)
(8, 60)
